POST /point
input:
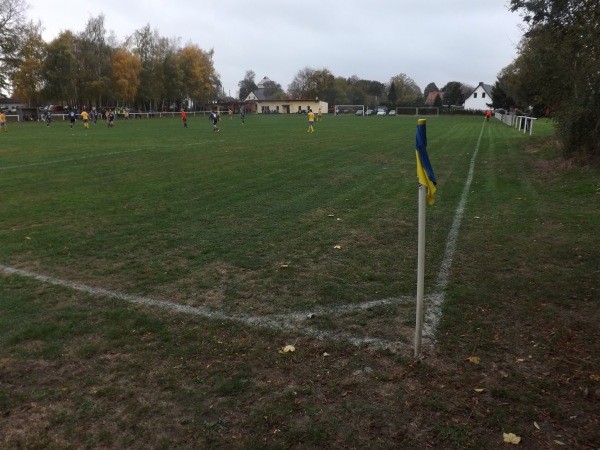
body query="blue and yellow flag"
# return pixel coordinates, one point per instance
(424, 169)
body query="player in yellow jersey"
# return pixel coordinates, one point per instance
(85, 117)
(311, 120)
(3, 122)
(319, 115)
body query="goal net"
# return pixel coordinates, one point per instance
(418, 111)
(357, 110)
(428, 111)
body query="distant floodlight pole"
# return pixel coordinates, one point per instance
(427, 183)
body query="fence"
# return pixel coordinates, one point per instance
(524, 123)
(137, 115)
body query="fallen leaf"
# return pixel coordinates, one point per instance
(535, 424)
(479, 390)
(559, 442)
(337, 246)
(511, 438)
(28, 238)
(283, 266)
(595, 377)
(330, 215)
(325, 354)
(287, 349)
(474, 359)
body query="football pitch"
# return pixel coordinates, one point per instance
(254, 288)
(261, 223)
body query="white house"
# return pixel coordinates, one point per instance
(480, 97)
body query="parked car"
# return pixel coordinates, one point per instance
(392, 113)
(369, 112)
(359, 112)
(381, 112)
(54, 108)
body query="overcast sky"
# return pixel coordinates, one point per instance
(430, 40)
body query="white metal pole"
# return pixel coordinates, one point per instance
(420, 268)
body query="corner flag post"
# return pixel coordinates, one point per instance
(427, 182)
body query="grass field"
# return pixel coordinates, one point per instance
(150, 276)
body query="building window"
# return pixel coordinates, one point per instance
(475, 95)
(483, 95)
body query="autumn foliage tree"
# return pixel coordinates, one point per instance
(198, 75)
(126, 68)
(28, 78)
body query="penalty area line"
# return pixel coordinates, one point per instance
(255, 321)
(58, 161)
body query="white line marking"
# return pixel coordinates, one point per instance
(261, 322)
(58, 161)
(433, 310)
(343, 309)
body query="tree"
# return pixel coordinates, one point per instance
(453, 93)
(12, 23)
(559, 67)
(392, 97)
(311, 83)
(500, 98)
(60, 69)
(126, 68)
(431, 87)
(27, 79)
(273, 90)
(247, 85)
(94, 57)
(174, 92)
(407, 91)
(199, 76)
(151, 49)
(437, 101)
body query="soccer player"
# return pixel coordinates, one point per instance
(48, 117)
(214, 118)
(85, 117)
(311, 120)
(111, 118)
(2, 122)
(184, 118)
(242, 114)
(230, 113)
(319, 115)
(72, 117)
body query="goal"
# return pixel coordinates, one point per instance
(417, 111)
(428, 111)
(357, 110)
